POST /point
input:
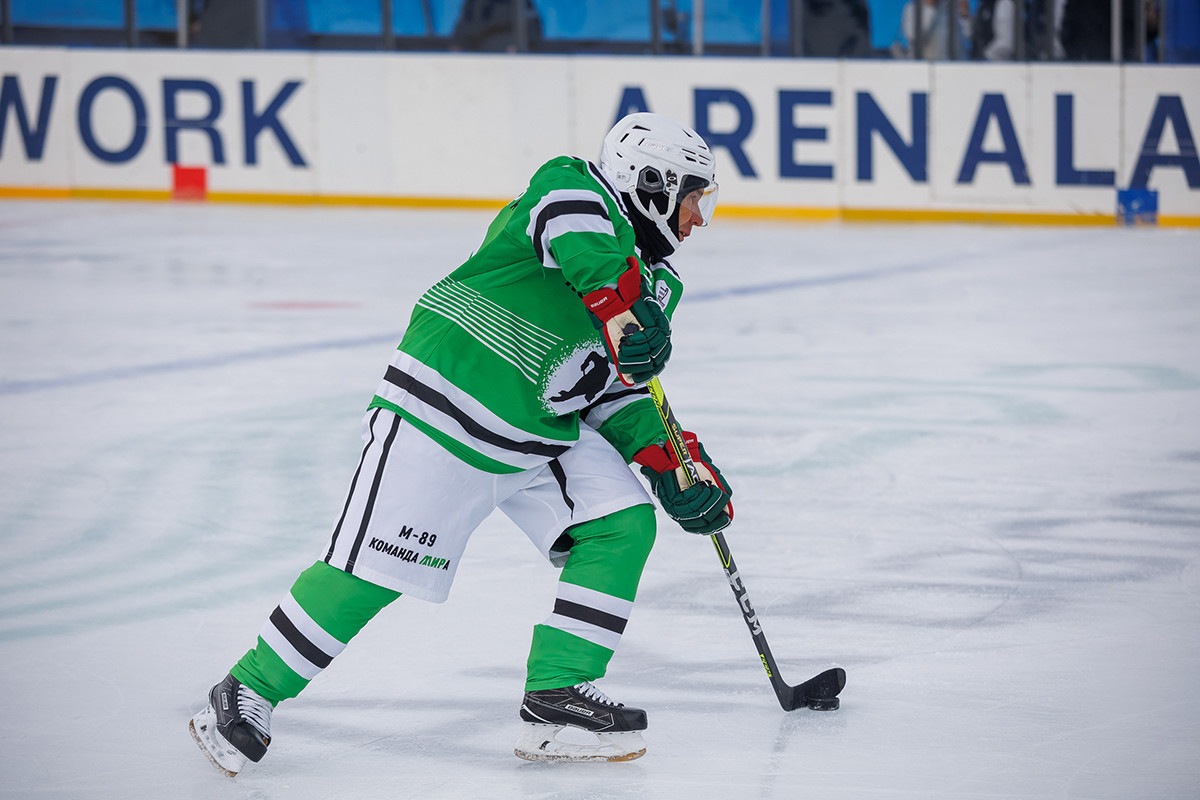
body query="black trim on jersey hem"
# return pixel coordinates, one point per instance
(439, 402)
(592, 616)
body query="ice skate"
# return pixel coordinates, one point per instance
(234, 727)
(579, 723)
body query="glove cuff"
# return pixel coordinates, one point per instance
(657, 458)
(661, 458)
(605, 303)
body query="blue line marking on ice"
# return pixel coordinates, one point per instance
(801, 283)
(184, 365)
(284, 351)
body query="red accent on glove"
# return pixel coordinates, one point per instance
(606, 303)
(657, 457)
(661, 458)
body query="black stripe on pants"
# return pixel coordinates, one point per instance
(366, 518)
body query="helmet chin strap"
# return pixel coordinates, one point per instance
(673, 221)
(650, 239)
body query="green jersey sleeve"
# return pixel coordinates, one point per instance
(575, 225)
(633, 427)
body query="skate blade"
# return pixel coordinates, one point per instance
(539, 742)
(205, 737)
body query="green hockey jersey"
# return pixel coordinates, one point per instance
(501, 360)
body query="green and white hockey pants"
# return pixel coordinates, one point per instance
(411, 509)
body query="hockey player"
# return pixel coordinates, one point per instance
(520, 385)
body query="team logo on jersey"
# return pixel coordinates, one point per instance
(578, 380)
(662, 293)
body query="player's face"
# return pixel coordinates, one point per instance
(689, 213)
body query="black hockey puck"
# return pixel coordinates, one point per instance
(824, 703)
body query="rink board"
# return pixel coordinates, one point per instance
(793, 138)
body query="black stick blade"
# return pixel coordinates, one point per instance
(820, 692)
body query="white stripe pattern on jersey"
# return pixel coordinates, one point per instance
(566, 211)
(517, 341)
(597, 617)
(298, 640)
(496, 439)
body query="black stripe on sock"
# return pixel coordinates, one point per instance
(314, 654)
(366, 517)
(592, 616)
(438, 401)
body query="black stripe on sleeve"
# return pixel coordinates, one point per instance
(562, 208)
(439, 402)
(314, 654)
(592, 616)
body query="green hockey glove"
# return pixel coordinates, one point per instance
(636, 332)
(702, 508)
(643, 353)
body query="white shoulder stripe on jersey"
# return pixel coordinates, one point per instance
(566, 211)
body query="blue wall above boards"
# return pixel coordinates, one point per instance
(595, 26)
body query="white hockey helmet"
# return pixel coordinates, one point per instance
(656, 162)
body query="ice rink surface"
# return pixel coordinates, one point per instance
(966, 464)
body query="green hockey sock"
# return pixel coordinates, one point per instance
(595, 597)
(312, 624)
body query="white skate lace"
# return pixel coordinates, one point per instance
(592, 693)
(255, 709)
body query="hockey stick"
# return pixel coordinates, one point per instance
(819, 692)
